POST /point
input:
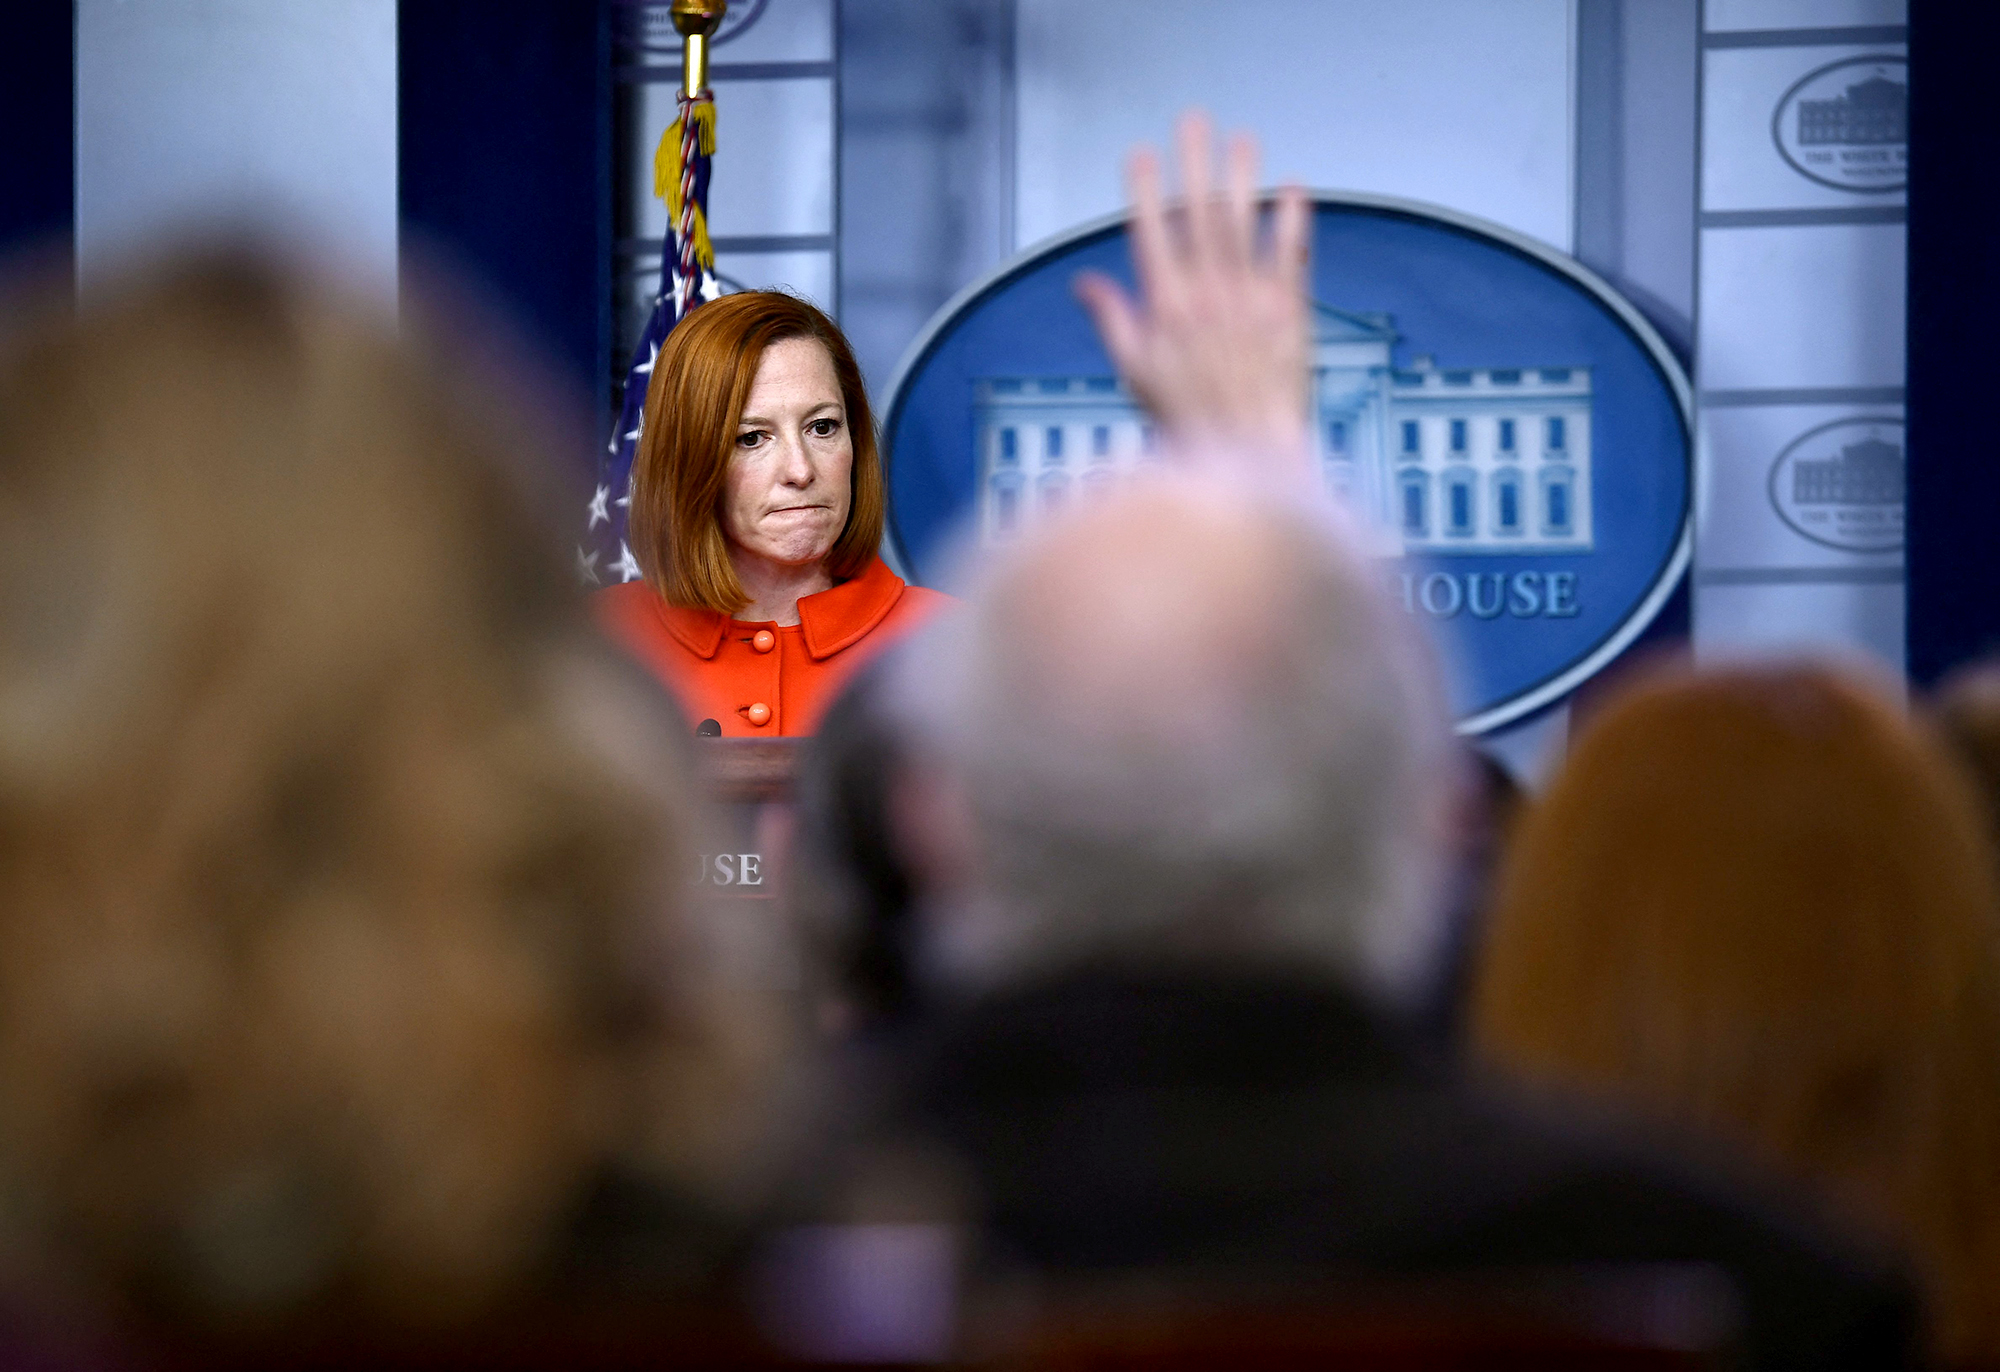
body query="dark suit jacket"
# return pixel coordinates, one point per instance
(1119, 1122)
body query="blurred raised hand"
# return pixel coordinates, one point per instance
(1216, 346)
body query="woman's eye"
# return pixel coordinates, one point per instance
(824, 428)
(749, 438)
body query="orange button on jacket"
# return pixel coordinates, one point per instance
(763, 680)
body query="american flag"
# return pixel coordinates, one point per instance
(687, 277)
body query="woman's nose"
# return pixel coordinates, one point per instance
(795, 467)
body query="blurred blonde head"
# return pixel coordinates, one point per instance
(339, 931)
(1755, 903)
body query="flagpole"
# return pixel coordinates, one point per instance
(680, 171)
(696, 21)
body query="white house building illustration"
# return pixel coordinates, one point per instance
(1474, 460)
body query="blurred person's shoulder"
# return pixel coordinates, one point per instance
(1576, 1185)
(1191, 1122)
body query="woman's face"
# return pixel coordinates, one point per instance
(786, 492)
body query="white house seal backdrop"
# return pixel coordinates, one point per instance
(1511, 432)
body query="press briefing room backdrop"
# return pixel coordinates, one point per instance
(1787, 202)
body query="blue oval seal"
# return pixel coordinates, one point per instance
(1512, 433)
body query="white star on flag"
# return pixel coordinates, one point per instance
(627, 566)
(586, 567)
(638, 427)
(647, 365)
(598, 513)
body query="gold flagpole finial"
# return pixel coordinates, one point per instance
(696, 21)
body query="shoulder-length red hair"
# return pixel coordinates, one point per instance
(693, 405)
(1757, 903)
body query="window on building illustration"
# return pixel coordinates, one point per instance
(1053, 385)
(1340, 480)
(1101, 383)
(1507, 502)
(1416, 519)
(1010, 445)
(1458, 514)
(1006, 506)
(1052, 443)
(1556, 501)
(1505, 376)
(1100, 441)
(1555, 375)
(1054, 491)
(1457, 378)
(1458, 435)
(1336, 436)
(1558, 433)
(1412, 444)
(1506, 435)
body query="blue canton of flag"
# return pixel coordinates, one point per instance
(687, 277)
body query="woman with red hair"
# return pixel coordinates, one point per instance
(757, 509)
(1756, 905)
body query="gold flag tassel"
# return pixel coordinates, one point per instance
(667, 176)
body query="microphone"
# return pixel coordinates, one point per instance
(708, 728)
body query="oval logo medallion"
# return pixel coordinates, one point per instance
(1847, 124)
(1841, 484)
(1513, 435)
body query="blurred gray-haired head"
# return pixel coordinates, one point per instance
(1185, 726)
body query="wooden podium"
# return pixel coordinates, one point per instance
(747, 771)
(749, 784)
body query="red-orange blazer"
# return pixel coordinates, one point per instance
(721, 668)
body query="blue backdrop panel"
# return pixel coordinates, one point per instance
(1954, 479)
(504, 110)
(38, 114)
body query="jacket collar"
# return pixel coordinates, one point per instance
(832, 619)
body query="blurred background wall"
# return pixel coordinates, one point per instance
(192, 114)
(880, 155)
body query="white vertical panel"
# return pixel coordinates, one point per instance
(1741, 166)
(1840, 619)
(1801, 14)
(773, 168)
(1790, 306)
(1800, 339)
(1465, 103)
(784, 31)
(809, 274)
(194, 115)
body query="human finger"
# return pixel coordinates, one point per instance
(1239, 212)
(1115, 316)
(1196, 139)
(1290, 238)
(1152, 249)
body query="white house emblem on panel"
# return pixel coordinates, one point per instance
(1841, 484)
(1434, 461)
(1847, 124)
